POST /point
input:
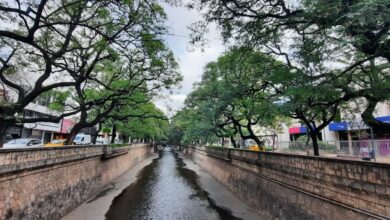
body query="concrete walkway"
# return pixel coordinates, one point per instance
(96, 207)
(222, 196)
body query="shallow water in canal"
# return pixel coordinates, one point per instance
(165, 190)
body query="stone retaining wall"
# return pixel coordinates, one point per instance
(290, 186)
(47, 183)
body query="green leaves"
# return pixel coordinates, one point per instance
(54, 99)
(144, 121)
(103, 13)
(233, 96)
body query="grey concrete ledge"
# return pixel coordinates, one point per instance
(13, 161)
(308, 157)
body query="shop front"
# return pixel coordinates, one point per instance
(41, 130)
(300, 133)
(297, 132)
(356, 138)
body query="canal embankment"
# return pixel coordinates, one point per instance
(48, 183)
(221, 196)
(290, 186)
(96, 207)
(166, 187)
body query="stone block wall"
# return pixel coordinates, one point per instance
(48, 183)
(290, 186)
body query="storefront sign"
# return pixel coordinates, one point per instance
(338, 126)
(297, 130)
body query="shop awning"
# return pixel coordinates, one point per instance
(338, 126)
(297, 130)
(384, 119)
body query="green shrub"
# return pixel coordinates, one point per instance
(327, 147)
(118, 145)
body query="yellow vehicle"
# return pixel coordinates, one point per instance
(256, 148)
(56, 143)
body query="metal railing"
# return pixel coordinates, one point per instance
(375, 150)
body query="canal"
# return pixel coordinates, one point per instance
(165, 189)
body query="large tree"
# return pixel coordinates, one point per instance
(125, 83)
(362, 24)
(191, 127)
(340, 49)
(145, 121)
(47, 45)
(235, 96)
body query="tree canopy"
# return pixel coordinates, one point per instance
(95, 52)
(335, 51)
(236, 95)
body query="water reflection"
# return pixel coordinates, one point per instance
(165, 190)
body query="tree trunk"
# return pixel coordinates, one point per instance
(253, 136)
(125, 139)
(96, 134)
(75, 130)
(94, 137)
(369, 119)
(273, 142)
(233, 142)
(3, 131)
(113, 134)
(314, 139)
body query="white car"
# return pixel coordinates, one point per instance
(23, 143)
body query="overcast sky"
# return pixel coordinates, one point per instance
(191, 61)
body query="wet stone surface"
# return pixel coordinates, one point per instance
(165, 190)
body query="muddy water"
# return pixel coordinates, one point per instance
(165, 190)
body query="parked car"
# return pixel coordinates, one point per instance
(82, 139)
(23, 143)
(102, 140)
(56, 143)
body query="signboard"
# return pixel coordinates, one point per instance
(355, 125)
(66, 126)
(297, 130)
(338, 126)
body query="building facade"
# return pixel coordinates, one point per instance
(45, 131)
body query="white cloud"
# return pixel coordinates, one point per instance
(191, 62)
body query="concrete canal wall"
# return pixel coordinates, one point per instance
(48, 183)
(301, 187)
